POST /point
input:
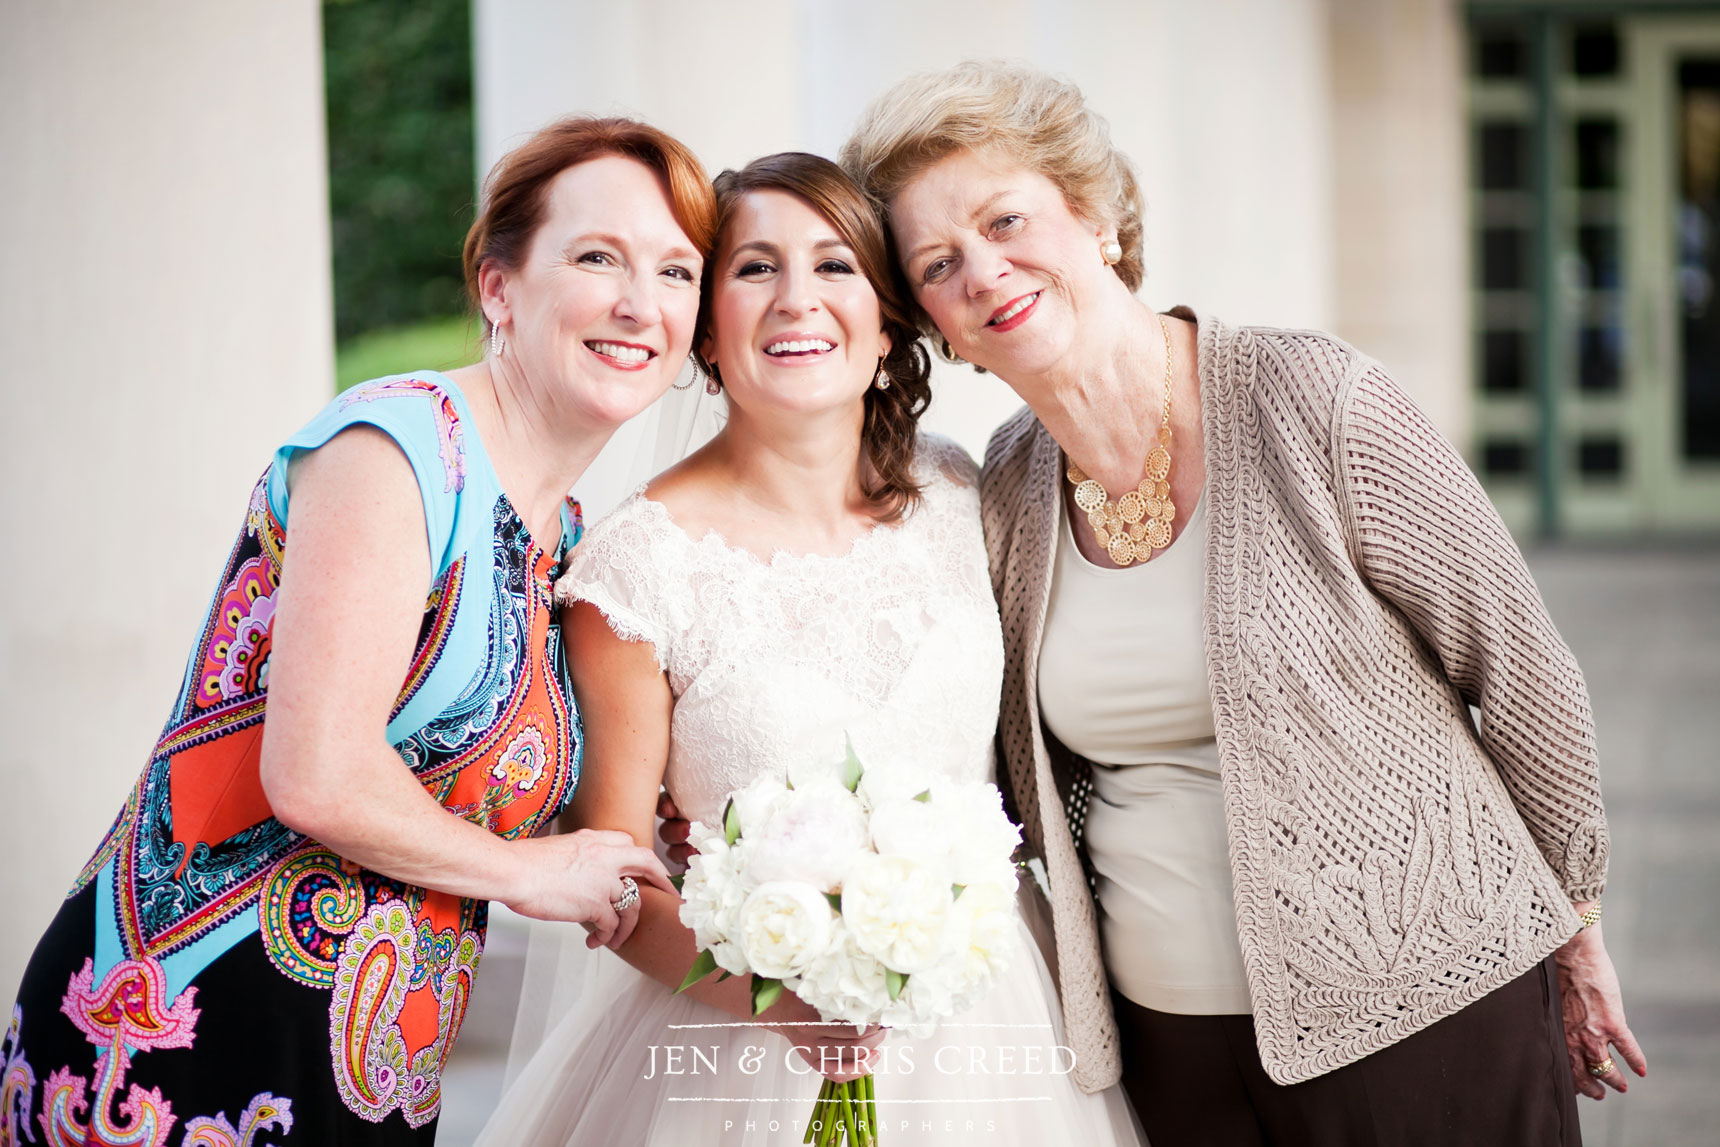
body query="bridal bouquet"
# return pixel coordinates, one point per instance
(878, 894)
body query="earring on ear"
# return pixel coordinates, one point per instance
(691, 378)
(714, 383)
(949, 352)
(881, 377)
(497, 342)
(1111, 251)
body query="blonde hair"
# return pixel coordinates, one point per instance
(1013, 109)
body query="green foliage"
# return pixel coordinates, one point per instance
(703, 966)
(435, 344)
(399, 88)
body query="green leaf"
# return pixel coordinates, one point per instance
(726, 974)
(895, 982)
(851, 769)
(764, 993)
(703, 966)
(925, 797)
(678, 880)
(956, 891)
(835, 899)
(731, 824)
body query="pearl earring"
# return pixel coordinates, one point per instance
(1111, 251)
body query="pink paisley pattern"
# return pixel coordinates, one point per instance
(17, 1086)
(385, 957)
(264, 1113)
(515, 774)
(127, 1014)
(236, 661)
(128, 1008)
(450, 434)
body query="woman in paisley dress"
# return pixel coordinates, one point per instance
(816, 571)
(275, 943)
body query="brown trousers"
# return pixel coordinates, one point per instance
(1494, 1073)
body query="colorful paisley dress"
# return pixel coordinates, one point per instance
(215, 978)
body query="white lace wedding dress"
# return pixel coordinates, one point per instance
(896, 644)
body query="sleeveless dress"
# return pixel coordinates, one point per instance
(896, 644)
(215, 978)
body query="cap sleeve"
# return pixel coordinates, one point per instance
(422, 417)
(632, 566)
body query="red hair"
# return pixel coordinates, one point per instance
(513, 201)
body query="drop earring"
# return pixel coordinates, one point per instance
(881, 377)
(714, 383)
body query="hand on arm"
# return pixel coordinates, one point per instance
(626, 706)
(353, 584)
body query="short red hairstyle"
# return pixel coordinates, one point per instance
(513, 203)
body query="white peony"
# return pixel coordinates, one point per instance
(844, 983)
(812, 835)
(712, 896)
(884, 783)
(897, 907)
(814, 769)
(982, 837)
(912, 827)
(783, 926)
(757, 803)
(982, 934)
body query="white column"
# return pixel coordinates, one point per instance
(165, 320)
(1402, 296)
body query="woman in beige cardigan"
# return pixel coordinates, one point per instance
(1249, 596)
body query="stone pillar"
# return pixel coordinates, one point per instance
(1397, 82)
(165, 320)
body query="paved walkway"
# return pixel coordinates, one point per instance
(1646, 627)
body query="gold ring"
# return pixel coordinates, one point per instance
(1604, 1067)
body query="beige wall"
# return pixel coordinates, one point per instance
(1401, 242)
(1225, 105)
(164, 321)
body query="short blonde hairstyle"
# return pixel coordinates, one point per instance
(1013, 109)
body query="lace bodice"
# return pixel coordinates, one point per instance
(895, 643)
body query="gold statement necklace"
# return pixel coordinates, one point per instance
(1137, 525)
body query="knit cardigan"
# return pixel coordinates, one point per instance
(1393, 860)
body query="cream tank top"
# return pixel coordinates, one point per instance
(1122, 681)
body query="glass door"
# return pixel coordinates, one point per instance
(1678, 247)
(1595, 200)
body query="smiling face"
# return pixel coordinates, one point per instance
(795, 326)
(1002, 264)
(602, 307)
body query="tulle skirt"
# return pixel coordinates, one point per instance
(618, 1059)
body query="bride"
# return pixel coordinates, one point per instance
(816, 571)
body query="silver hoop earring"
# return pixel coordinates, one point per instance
(881, 377)
(1112, 252)
(714, 383)
(497, 342)
(691, 378)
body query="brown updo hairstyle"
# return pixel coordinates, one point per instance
(512, 207)
(893, 414)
